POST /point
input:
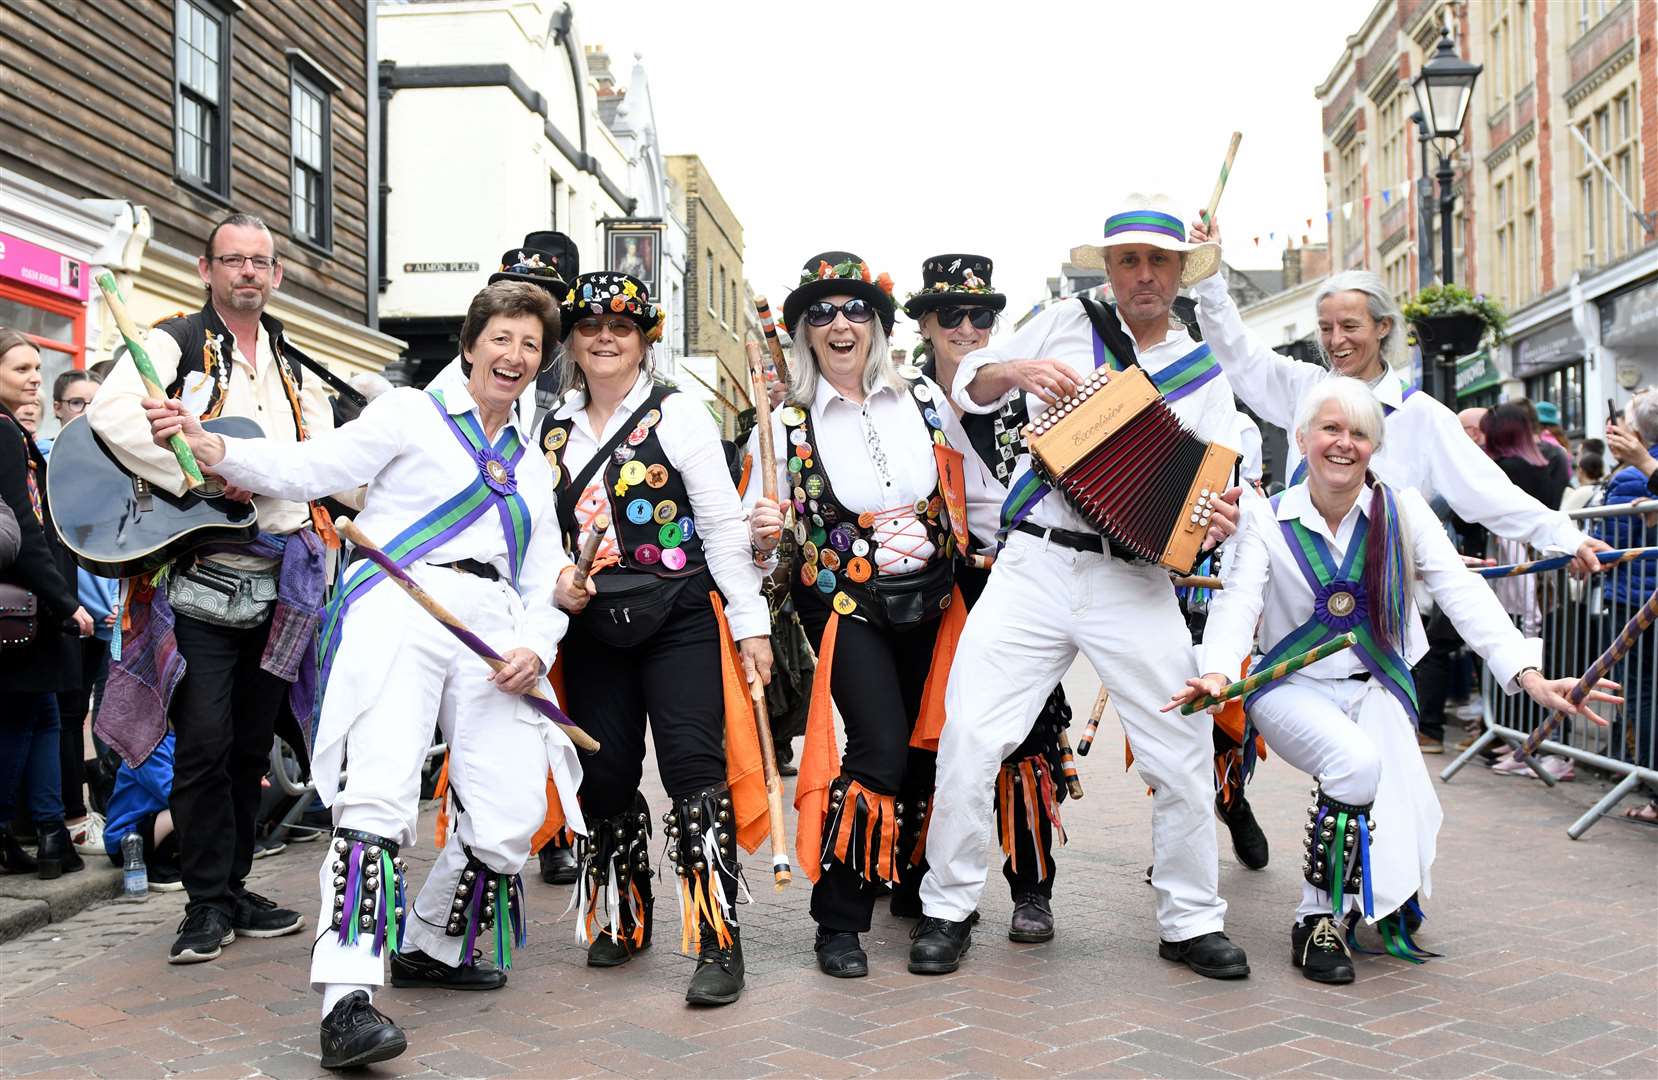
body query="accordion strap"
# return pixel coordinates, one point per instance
(1109, 336)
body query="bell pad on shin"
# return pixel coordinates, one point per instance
(368, 886)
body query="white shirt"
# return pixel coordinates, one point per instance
(404, 451)
(692, 445)
(1063, 333)
(1265, 585)
(1246, 436)
(1425, 448)
(879, 458)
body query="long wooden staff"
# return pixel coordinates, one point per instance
(146, 370)
(1598, 670)
(1608, 559)
(1093, 725)
(1276, 671)
(767, 464)
(768, 327)
(1197, 581)
(538, 700)
(1220, 182)
(589, 550)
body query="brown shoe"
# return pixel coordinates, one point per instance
(1429, 746)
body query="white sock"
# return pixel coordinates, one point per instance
(333, 992)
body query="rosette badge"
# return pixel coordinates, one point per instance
(497, 471)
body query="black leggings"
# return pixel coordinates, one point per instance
(674, 678)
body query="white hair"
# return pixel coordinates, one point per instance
(803, 368)
(1359, 407)
(1643, 412)
(1378, 301)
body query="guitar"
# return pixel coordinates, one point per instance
(117, 525)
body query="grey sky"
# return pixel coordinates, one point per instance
(901, 129)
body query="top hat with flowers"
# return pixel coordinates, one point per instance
(954, 281)
(548, 259)
(839, 273)
(610, 292)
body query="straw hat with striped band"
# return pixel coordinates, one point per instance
(1150, 219)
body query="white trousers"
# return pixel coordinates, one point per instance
(499, 753)
(1357, 741)
(1044, 603)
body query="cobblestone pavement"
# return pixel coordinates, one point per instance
(1551, 968)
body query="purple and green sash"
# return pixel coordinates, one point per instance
(495, 487)
(1340, 605)
(1300, 473)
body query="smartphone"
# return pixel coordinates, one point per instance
(1612, 413)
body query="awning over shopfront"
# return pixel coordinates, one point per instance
(1476, 372)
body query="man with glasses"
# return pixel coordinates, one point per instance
(230, 632)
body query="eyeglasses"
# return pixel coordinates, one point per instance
(236, 262)
(74, 404)
(618, 327)
(982, 318)
(823, 312)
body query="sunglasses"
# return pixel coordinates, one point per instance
(823, 312)
(618, 327)
(982, 318)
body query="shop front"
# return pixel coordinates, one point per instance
(1629, 334)
(1478, 381)
(1549, 362)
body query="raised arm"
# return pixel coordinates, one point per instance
(1269, 383)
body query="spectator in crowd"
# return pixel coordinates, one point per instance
(1511, 441)
(139, 805)
(10, 538)
(1554, 454)
(1548, 424)
(32, 673)
(1471, 420)
(1591, 470)
(1633, 439)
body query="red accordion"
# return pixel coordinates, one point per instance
(1119, 456)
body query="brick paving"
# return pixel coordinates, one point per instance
(1551, 969)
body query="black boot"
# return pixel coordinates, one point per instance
(615, 855)
(936, 945)
(1318, 948)
(57, 855)
(719, 976)
(13, 859)
(1211, 955)
(840, 954)
(1033, 919)
(702, 845)
(1249, 843)
(411, 967)
(355, 1033)
(558, 864)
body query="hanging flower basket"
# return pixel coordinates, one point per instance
(1452, 335)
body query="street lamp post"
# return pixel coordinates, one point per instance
(1424, 207)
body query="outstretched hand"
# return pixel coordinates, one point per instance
(1551, 695)
(1198, 686)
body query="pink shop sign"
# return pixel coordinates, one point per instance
(42, 268)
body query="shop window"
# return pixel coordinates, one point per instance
(1564, 387)
(56, 327)
(311, 156)
(201, 96)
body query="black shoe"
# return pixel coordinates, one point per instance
(936, 945)
(1210, 955)
(202, 934)
(1411, 913)
(257, 917)
(719, 976)
(1033, 919)
(57, 855)
(1318, 948)
(787, 768)
(13, 859)
(1249, 843)
(355, 1033)
(840, 954)
(411, 967)
(558, 865)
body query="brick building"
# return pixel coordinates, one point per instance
(715, 301)
(1533, 211)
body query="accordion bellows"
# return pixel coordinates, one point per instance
(1119, 456)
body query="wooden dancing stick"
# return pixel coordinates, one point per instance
(767, 464)
(1093, 725)
(1068, 765)
(1220, 182)
(1608, 559)
(146, 370)
(538, 700)
(1598, 670)
(768, 327)
(589, 550)
(727, 402)
(1197, 581)
(1276, 671)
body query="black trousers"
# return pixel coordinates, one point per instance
(1434, 674)
(877, 680)
(223, 716)
(73, 705)
(674, 678)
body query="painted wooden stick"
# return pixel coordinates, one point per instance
(1276, 671)
(727, 402)
(146, 370)
(1608, 559)
(1093, 725)
(768, 327)
(1068, 766)
(589, 550)
(1197, 581)
(1220, 183)
(537, 699)
(1632, 630)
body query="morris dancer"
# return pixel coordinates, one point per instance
(1334, 554)
(957, 308)
(649, 636)
(865, 452)
(1059, 586)
(490, 554)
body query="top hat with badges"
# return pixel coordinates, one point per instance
(1150, 219)
(954, 281)
(611, 292)
(548, 259)
(839, 273)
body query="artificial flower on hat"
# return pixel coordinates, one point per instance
(610, 292)
(840, 273)
(954, 281)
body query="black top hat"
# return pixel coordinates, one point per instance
(839, 273)
(610, 292)
(954, 281)
(548, 259)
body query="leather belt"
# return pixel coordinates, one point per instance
(473, 567)
(1079, 541)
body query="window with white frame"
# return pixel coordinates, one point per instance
(1530, 246)
(311, 124)
(201, 95)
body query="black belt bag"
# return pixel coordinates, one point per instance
(630, 607)
(912, 598)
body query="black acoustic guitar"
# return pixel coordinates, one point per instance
(117, 525)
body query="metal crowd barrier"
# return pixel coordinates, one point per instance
(1578, 620)
(286, 774)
